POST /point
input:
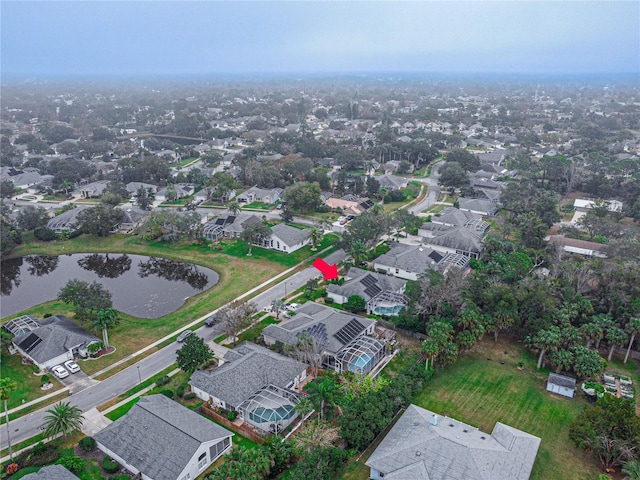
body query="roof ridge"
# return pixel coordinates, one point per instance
(163, 420)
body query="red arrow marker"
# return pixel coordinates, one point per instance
(328, 271)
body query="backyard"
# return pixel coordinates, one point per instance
(485, 387)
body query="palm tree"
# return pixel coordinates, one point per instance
(105, 318)
(616, 337)
(546, 340)
(62, 418)
(233, 207)
(277, 306)
(316, 238)
(592, 331)
(322, 392)
(633, 328)
(632, 470)
(430, 350)
(7, 385)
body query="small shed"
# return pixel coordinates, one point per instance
(561, 385)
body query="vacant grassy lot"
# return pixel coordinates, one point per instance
(485, 387)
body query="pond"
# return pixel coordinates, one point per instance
(145, 287)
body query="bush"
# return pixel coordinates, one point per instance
(163, 380)
(45, 234)
(44, 378)
(12, 468)
(109, 465)
(328, 300)
(87, 444)
(180, 391)
(189, 396)
(73, 464)
(231, 415)
(168, 393)
(40, 455)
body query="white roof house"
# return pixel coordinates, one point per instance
(425, 446)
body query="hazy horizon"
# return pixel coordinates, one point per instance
(111, 40)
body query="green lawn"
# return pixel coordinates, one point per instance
(485, 387)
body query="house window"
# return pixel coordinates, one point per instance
(202, 461)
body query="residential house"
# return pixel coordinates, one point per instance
(581, 247)
(257, 194)
(51, 341)
(66, 222)
(562, 385)
(287, 239)
(391, 182)
(460, 240)
(412, 261)
(182, 190)
(51, 472)
(455, 217)
(585, 205)
(28, 179)
(495, 158)
(343, 337)
(94, 189)
(228, 225)
(133, 187)
(259, 384)
(383, 295)
(485, 208)
(159, 439)
(424, 446)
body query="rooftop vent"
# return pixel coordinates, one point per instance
(434, 419)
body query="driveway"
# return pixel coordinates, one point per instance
(77, 382)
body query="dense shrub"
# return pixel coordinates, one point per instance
(87, 444)
(73, 464)
(231, 415)
(109, 465)
(168, 393)
(40, 455)
(328, 300)
(180, 391)
(163, 380)
(320, 464)
(45, 234)
(44, 378)
(189, 396)
(12, 468)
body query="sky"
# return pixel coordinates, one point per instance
(127, 38)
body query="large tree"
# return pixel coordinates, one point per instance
(100, 220)
(452, 175)
(255, 233)
(31, 218)
(193, 353)
(236, 316)
(303, 197)
(62, 419)
(633, 329)
(87, 299)
(467, 160)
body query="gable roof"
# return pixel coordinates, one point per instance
(55, 336)
(422, 446)
(159, 436)
(454, 217)
(289, 235)
(322, 321)
(410, 258)
(562, 380)
(477, 205)
(51, 472)
(247, 369)
(460, 238)
(66, 220)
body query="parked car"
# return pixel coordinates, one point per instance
(211, 321)
(183, 336)
(292, 307)
(364, 264)
(72, 366)
(60, 372)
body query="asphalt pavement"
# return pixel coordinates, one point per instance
(98, 393)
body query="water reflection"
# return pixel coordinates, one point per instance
(10, 275)
(105, 266)
(40, 265)
(173, 271)
(156, 288)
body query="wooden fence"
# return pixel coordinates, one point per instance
(243, 430)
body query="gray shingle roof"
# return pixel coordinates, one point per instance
(455, 217)
(415, 449)
(355, 285)
(247, 369)
(159, 436)
(51, 472)
(310, 315)
(562, 381)
(477, 205)
(460, 238)
(290, 236)
(55, 336)
(65, 220)
(411, 258)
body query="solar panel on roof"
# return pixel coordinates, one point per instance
(373, 290)
(367, 204)
(220, 221)
(231, 219)
(369, 280)
(435, 256)
(31, 342)
(349, 331)
(317, 331)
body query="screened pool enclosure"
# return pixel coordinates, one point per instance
(361, 355)
(271, 409)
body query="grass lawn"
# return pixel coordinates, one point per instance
(257, 206)
(255, 330)
(485, 387)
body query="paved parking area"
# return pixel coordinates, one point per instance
(77, 381)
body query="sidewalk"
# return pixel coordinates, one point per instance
(171, 335)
